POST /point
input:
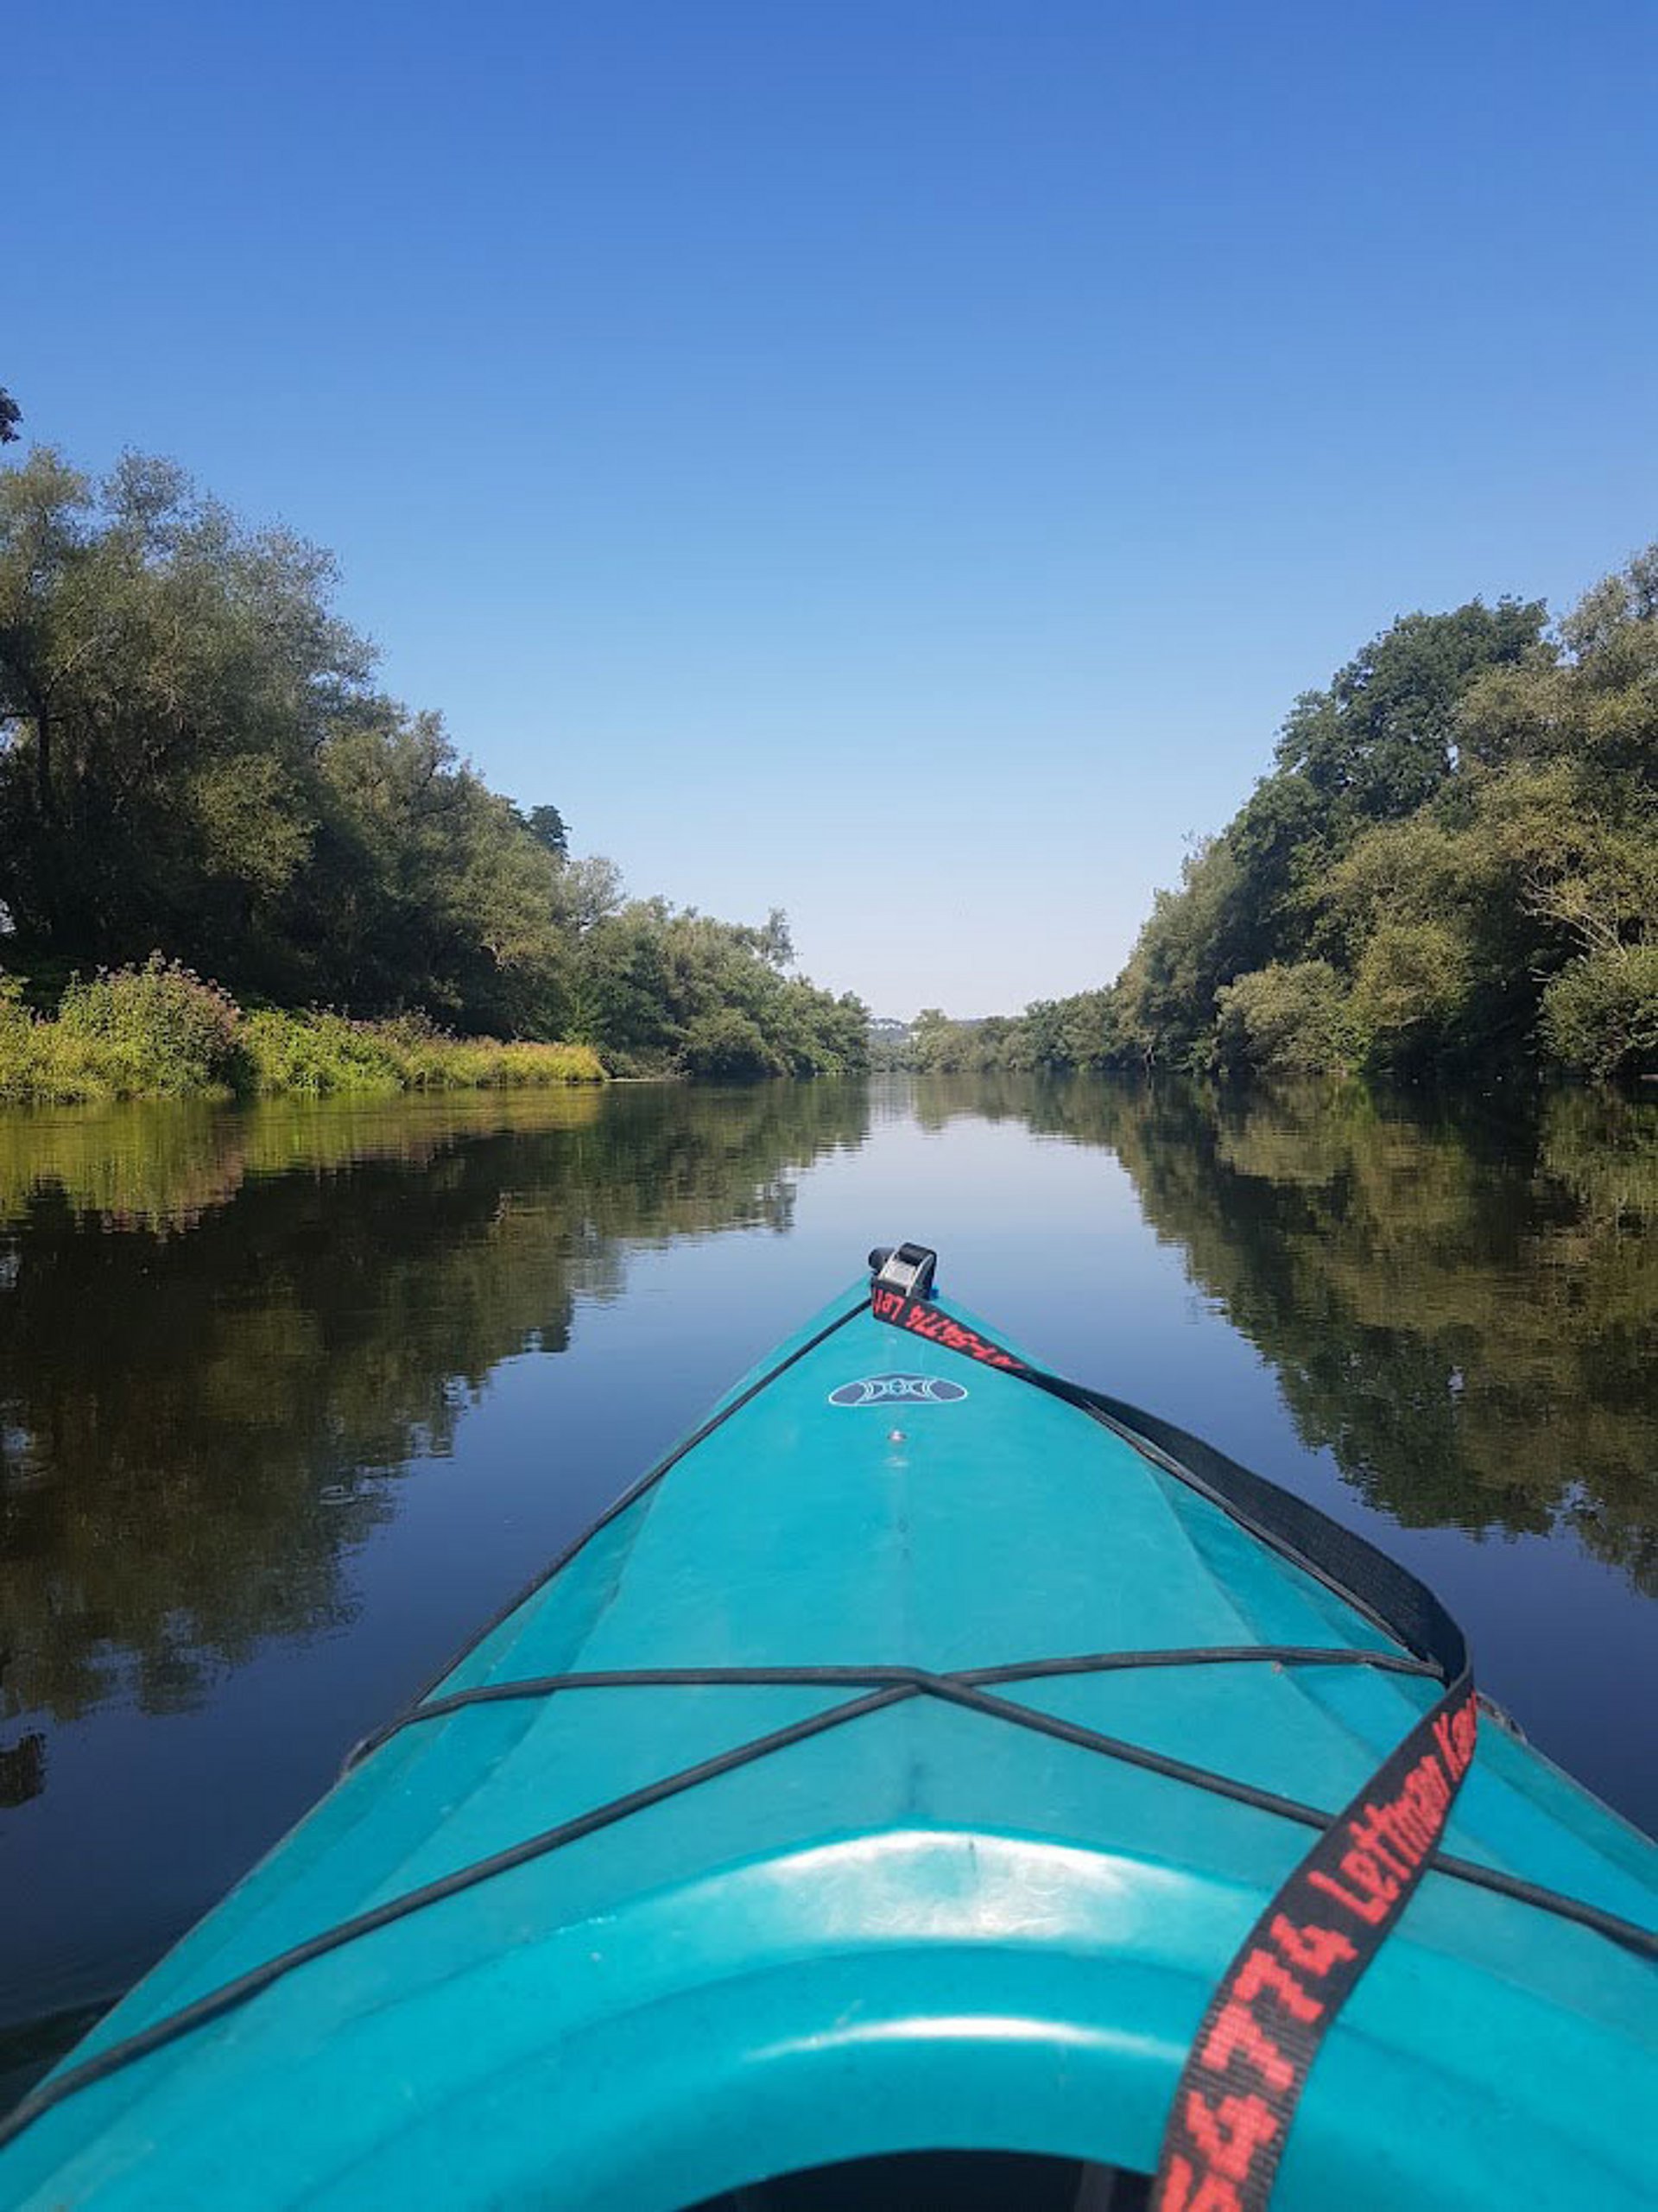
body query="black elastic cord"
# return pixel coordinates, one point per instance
(530, 1687)
(957, 1689)
(897, 1685)
(1355, 1570)
(1200, 1654)
(635, 1491)
(1083, 1662)
(967, 1688)
(217, 2002)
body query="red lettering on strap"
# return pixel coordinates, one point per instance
(1214, 2193)
(1236, 2029)
(1455, 1734)
(1314, 1949)
(1371, 1893)
(1261, 1971)
(1229, 2133)
(919, 1319)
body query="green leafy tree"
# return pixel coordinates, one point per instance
(658, 988)
(166, 680)
(547, 827)
(1287, 1018)
(1453, 863)
(728, 1047)
(1383, 740)
(192, 757)
(1601, 1013)
(1192, 943)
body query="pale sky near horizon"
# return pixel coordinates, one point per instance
(895, 459)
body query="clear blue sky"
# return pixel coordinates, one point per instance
(897, 460)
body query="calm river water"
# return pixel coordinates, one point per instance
(291, 1399)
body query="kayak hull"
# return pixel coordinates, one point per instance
(920, 1927)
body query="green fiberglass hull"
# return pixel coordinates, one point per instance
(924, 1927)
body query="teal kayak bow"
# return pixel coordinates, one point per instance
(935, 1771)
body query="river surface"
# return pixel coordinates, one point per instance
(291, 1399)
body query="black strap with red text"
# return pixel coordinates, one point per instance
(1256, 2041)
(1262, 2031)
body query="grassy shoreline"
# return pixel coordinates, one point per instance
(159, 1031)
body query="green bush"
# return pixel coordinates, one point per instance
(17, 1041)
(314, 1055)
(1601, 1013)
(158, 1029)
(1411, 985)
(728, 1048)
(38, 1061)
(1285, 1017)
(549, 1063)
(323, 1053)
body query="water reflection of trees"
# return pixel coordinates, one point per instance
(1461, 1301)
(222, 1336)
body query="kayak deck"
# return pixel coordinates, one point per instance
(926, 1926)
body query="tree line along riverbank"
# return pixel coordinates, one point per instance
(1452, 866)
(200, 779)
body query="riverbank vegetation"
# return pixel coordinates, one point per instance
(196, 763)
(1452, 865)
(158, 1031)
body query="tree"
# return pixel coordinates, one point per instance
(658, 988)
(774, 941)
(168, 679)
(46, 628)
(10, 415)
(585, 891)
(728, 1047)
(1284, 1019)
(194, 759)
(1382, 740)
(1601, 1014)
(426, 889)
(547, 827)
(1193, 941)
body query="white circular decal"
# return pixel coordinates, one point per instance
(890, 1390)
